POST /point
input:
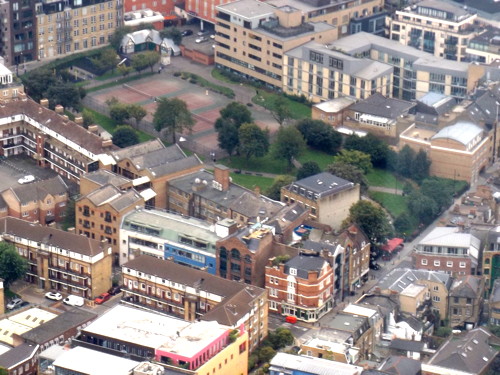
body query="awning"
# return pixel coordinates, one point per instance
(365, 118)
(140, 180)
(171, 17)
(147, 194)
(347, 131)
(392, 244)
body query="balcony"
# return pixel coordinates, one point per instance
(68, 272)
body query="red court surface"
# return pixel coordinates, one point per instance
(157, 88)
(122, 94)
(195, 101)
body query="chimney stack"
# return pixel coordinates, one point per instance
(221, 175)
(79, 120)
(59, 109)
(44, 103)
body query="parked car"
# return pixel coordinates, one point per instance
(374, 266)
(26, 179)
(15, 303)
(187, 32)
(114, 290)
(201, 39)
(102, 298)
(55, 296)
(72, 300)
(203, 32)
(212, 36)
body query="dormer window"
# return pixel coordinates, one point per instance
(293, 271)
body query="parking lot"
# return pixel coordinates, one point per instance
(15, 167)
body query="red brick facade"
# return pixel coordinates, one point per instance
(454, 265)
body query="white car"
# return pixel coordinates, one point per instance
(74, 300)
(26, 179)
(16, 302)
(55, 296)
(201, 39)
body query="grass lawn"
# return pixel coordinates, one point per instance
(109, 125)
(251, 181)
(395, 204)
(267, 164)
(381, 177)
(218, 76)
(319, 157)
(297, 110)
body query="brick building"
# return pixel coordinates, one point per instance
(243, 254)
(466, 301)
(58, 260)
(300, 287)
(447, 249)
(41, 201)
(193, 294)
(98, 215)
(328, 197)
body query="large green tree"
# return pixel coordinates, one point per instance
(174, 116)
(232, 116)
(107, 60)
(12, 265)
(140, 61)
(288, 145)
(309, 168)
(357, 158)
(66, 94)
(350, 173)
(421, 166)
(119, 113)
(227, 136)
(422, 207)
(137, 112)
(280, 110)
(237, 113)
(116, 38)
(372, 219)
(320, 136)
(172, 33)
(439, 190)
(253, 141)
(151, 58)
(88, 118)
(274, 191)
(38, 81)
(125, 136)
(406, 157)
(371, 145)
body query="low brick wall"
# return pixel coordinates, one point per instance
(197, 56)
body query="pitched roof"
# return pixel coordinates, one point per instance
(447, 236)
(104, 177)
(45, 117)
(378, 105)
(322, 184)
(17, 355)
(408, 345)
(235, 295)
(469, 352)
(310, 365)
(467, 286)
(399, 278)
(113, 196)
(37, 191)
(305, 263)
(58, 326)
(401, 365)
(50, 236)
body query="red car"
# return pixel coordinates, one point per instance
(102, 298)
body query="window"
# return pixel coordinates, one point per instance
(462, 265)
(273, 292)
(293, 271)
(273, 305)
(436, 288)
(437, 263)
(436, 299)
(449, 264)
(424, 262)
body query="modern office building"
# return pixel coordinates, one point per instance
(416, 72)
(59, 260)
(485, 47)
(438, 27)
(186, 240)
(252, 37)
(321, 73)
(65, 27)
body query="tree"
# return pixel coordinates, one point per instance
(38, 81)
(357, 158)
(69, 215)
(174, 34)
(253, 140)
(228, 136)
(402, 224)
(140, 62)
(125, 136)
(422, 207)
(288, 145)
(280, 111)
(266, 353)
(274, 191)
(439, 190)
(137, 112)
(172, 115)
(65, 94)
(309, 168)
(371, 145)
(372, 219)
(12, 265)
(119, 113)
(106, 60)
(88, 118)
(151, 58)
(350, 173)
(237, 113)
(421, 166)
(115, 41)
(320, 136)
(125, 70)
(406, 156)
(280, 338)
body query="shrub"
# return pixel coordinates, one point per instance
(177, 74)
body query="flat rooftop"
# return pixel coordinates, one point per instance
(91, 362)
(413, 290)
(155, 331)
(33, 317)
(248, 8)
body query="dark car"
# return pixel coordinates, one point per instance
(114, 290)
(374, 266)
(187, 32)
